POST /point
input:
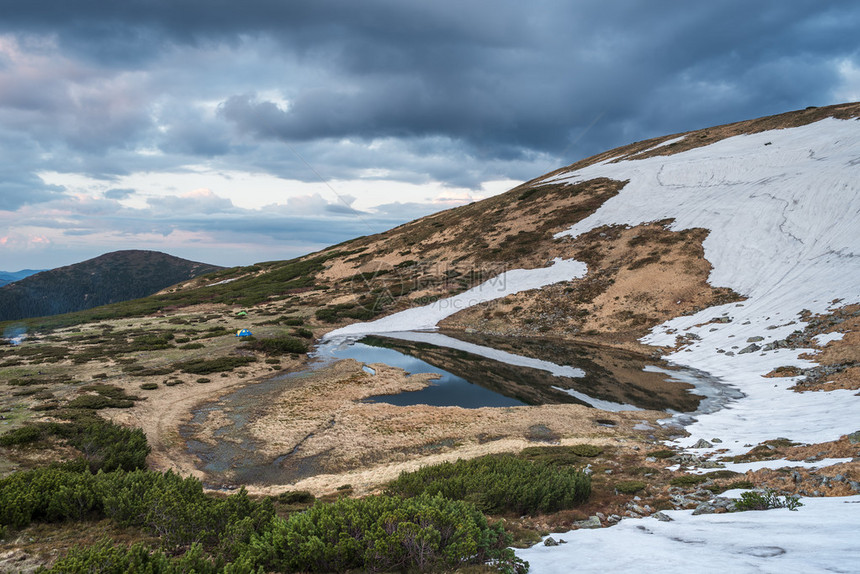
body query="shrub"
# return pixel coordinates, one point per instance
(281, 345)
(107, 557)
(208, 366)
(296, 497)
(564, 455)
(107, 446)
(767, 500)
(688, 480)
(191, 346)
(108, 396)
(629, 486)
(499, 483)
(382, 533)
(204, 380)
(303, 333)
(723, 474)
(23, 435)
(97, 402)
(665, 453)
(586, 450)
(149, 386)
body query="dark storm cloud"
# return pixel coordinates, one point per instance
(506, 77)
(454, 92)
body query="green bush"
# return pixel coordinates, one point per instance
(281, 345)
(191, 346)
(688, 480)
(165, 505)
(665, 453)
(303, 333)
(561, 455)
(108, 396)
(97, 402)
(23, 435)
(106, 557)
(209, 366)
(766, 500)
(296, 497)
(499, 483)
(107, 446)
(723, 474)
(629, 486)
(149, 386)
(382, 533)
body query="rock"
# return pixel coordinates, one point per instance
(550, 541)
(613, 519)
(704, 508)
(662, 517)
(755, 339)
(716, 440)
(592, 522)
(854, 438)
(749, 349)
(702, 444)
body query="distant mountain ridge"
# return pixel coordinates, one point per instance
(110, 278)
(7, 277)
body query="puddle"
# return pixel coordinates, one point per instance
(473, 371)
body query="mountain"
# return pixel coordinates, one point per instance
(728, 257)
(7, 277)
(109, 278)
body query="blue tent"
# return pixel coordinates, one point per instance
(243, 333)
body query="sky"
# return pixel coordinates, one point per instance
(240, 132)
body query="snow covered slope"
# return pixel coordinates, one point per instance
(783, 210)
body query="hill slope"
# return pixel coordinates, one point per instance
(7, 277)
(109, 278)
(720, 255)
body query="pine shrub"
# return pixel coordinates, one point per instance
(499, 483)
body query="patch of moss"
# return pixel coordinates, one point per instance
(629, 486)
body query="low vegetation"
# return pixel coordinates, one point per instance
(197, 532)
(281, 345)
(499, 484)
(766, 500)
(209, 366)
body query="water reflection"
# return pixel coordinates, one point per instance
(531, 372)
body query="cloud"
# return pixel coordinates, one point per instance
(338, 93)
(118, 193)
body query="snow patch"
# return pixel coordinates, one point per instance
(427, 317)
(825, 338)
(814, 538)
